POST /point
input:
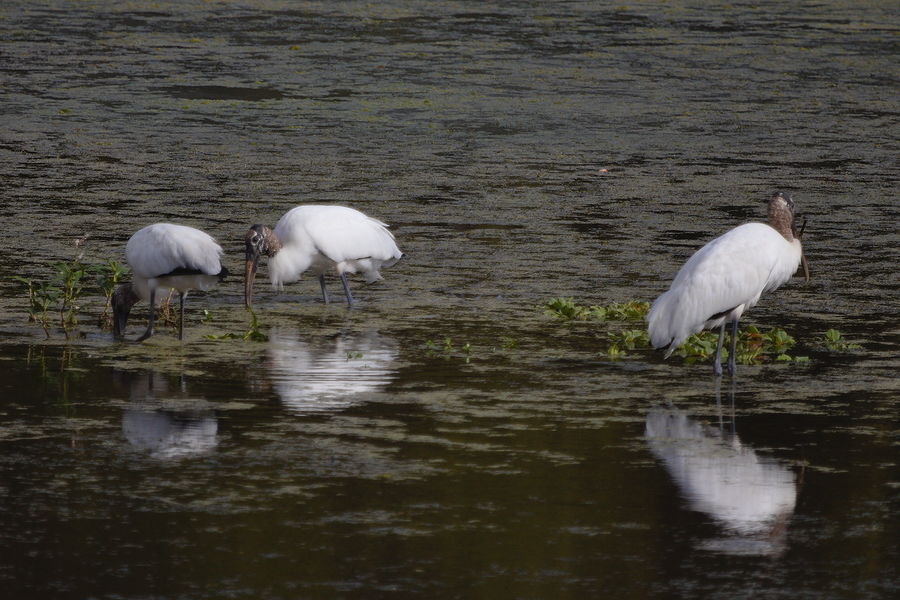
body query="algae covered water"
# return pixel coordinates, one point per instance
(445, 437)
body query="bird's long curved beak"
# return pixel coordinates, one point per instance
(249, 276)
(805, 266)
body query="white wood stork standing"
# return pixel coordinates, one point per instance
(164, 256)
(725, 278)
(321, 239)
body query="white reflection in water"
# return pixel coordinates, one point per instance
(751, 497)
(317, 375)
(162, 421)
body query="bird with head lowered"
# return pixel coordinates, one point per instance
(165, 256)
(322, 239)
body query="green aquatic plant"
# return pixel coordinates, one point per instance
(568, 310)
(835, 342)
(253, 333)
(447, 350)
(108, 276)
(41, 296)
(753, 346)
(633, 310)
(564, 308)
(629, 339)
(508, 343)
(70, 280)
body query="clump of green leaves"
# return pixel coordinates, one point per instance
(63, 291)
(508, 343)
(628, 339)
(835, 342)
(41, 296)
(253, 333)
(108, 276)
(567, 309)
(61, 294)
(447, 350)
(753, 346)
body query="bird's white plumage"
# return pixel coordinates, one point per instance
(721, 281)
(322, 238)
(156, 251)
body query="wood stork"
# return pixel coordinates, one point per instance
(725, 278)
(164, 256)
(320, 238)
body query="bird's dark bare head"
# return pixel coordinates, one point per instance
(781, 214)
(122, 299)
(781, 199)
(259, 241)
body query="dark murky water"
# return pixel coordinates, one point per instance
(346, 457)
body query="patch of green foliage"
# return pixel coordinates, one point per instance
(61, 293)
(253, 333)
(108, 276)
(628, 339)
(835, 342)
(566, 309)
(753, 346)
(448, 351)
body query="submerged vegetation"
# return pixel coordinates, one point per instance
(253, 333)
(447, 350)
(834, 341)
(567, 310)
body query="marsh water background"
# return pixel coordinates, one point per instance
(520, 151)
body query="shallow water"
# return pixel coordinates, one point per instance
(520, 152)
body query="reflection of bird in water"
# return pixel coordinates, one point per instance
(166, 426)
(752, 497)
(315, 375)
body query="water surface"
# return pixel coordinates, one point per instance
(520, 152)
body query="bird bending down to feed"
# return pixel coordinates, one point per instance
(321, 239)
(725, 278)
(164, 256)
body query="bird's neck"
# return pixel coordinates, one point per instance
(782, 220)
(273, 244)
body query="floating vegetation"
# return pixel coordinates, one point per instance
(628, 339)
(448, 351)
(567, 310)
(253, 333)
(508, 343)
(753, 347)
(834, 341)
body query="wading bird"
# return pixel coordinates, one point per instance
(725, 278)
(164, 256)
(321, 239)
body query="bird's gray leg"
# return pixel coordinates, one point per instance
(347, 289)
(149, 331)
(181, 317)
(324, 291)
(717, 361)
(732, 356)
